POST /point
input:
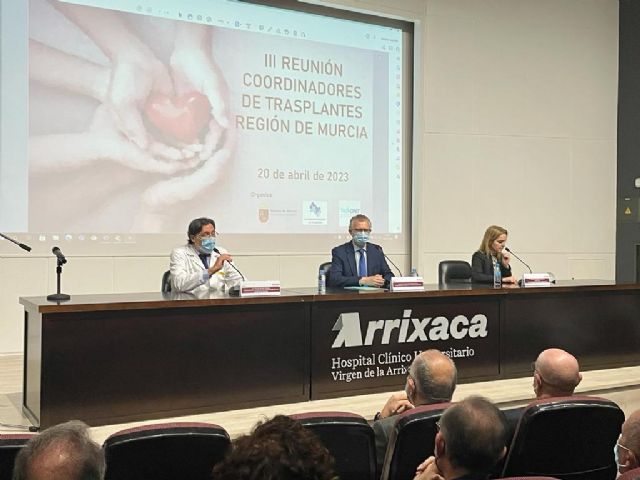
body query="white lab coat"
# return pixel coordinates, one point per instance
(187, 267)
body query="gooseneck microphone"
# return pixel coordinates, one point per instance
(521, 261)
(61, 258)
(385, 256)
(235, 290)
(21, 245)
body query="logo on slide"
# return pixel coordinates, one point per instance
(346, 210)
(263, 214)
(406, 329)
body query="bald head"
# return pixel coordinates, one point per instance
(435, 377)
(62, 452)
(557, 373)
(631, 434)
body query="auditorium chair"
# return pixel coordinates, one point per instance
(166, 282)
(349, 439)
(454, 271)
(10, 445)
(411, 441)
(566, 437)
(630, 475)
(167, 451)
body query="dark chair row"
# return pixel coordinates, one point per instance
(565, 438)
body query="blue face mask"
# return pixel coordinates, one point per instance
(360, 238)
(207, 244)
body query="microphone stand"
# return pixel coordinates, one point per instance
(521, 261)
(21, 245)
(59, 297)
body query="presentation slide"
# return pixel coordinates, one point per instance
(139, 116)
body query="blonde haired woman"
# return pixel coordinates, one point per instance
(490, 251)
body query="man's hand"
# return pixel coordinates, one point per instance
(396, 404)
(217, 266)
(373, 281)
(428, 470)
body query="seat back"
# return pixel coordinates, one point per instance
(566, 437)
(631, 475)
(166, 282)
(10, 445)
(349, 439)
(167, 451)
(457, 271)
(411, 441)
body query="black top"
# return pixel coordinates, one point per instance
(482, 268)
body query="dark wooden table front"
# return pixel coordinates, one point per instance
(117, 358)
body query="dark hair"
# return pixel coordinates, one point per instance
(281, 449)
(474, 433)
(196, 226)
(85, 458)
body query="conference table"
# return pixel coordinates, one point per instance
(118, 358)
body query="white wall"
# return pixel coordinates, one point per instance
(515, 125)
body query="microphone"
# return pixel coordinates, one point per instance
(56, 251)
(235, 290)
(21, 245)
(385, 256)
(521, 261)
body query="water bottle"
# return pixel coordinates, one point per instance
(497, 274)
(414, 273)
(322, 281)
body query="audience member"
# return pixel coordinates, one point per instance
(431, 379)
(280, 448)
(627, 449)
(471, 441)
(62, 452)
(556, 373)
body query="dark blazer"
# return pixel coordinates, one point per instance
(482, 268)
(344, 273)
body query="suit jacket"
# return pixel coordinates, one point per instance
(344, 273)
(382, 429)
(482, 268)
(187, 272)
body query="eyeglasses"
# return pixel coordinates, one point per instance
(361, 230)
(619, 445)
(207, 235)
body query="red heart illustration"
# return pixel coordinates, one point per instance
(182, 118)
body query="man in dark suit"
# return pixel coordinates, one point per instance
(556, 373)
(431, 379)
(471, 441)
(359, 262)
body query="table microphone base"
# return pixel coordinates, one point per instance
(58, 297)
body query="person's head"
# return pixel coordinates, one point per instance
(494, 240)
(360, 229)
(62, 452)
(627, 449)
(431, 379)
(556, 373)
(279, 448)
(471, 439)
(202, 234)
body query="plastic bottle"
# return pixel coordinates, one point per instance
(322, 281)
(497, 274)
(414, 273)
